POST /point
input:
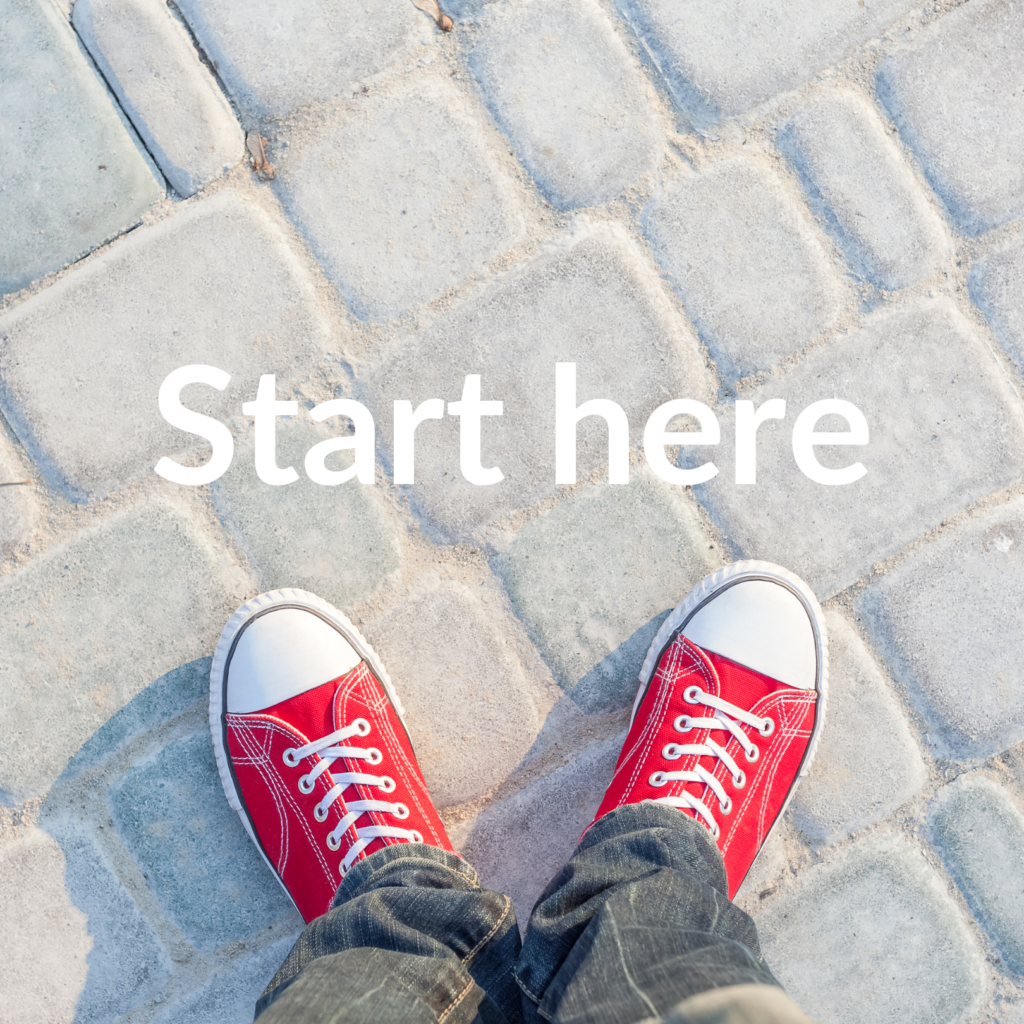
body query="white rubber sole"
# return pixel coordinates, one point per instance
(288, 598)
(719, 580)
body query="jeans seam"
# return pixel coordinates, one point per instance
(487, 938)
(458, 999)
(533, 998)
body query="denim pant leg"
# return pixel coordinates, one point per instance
(411, 939)
(637, 921)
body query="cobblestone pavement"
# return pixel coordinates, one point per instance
(716, 200)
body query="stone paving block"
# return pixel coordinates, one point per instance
(868, 763)
(19, 509)
(997, 282)
(980, 835)
(401, 196)
(90, 623)
(172, 101)
(869, 197)
(873, 935)
(127, 963)
(200, 863)
(44, 937)
(593, 302)
(565, 90)
(338, 542)
(230, 998)
(746, 261)
(274, 57)
(955, 92)
(472, 709)
(721, 58)
(214, 283)
(945, 430)
(593, 609)
(949, 617)
(519, 844)
(72, 175)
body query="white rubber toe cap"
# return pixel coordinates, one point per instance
(762, 625)
(281, 653)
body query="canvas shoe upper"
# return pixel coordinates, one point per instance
(729, 709)
(311, 746)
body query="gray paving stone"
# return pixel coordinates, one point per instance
(44, 937)
(866, 191)
(955, 92)
(721, 58)
(214, 283)
(72, 175)
(949, 618)
(273, 59)
(337, 542)
(980, 835)
(127, 964)
(997, 282)
(567, 93)
(593, 609)
(548, 311)
(230, 997)
(19, 509)
(472, 708)
(874, 928)
(401, 196)
(868, 764)
(746, 261)
(173, 102)
(945, 431)
(519, 844)
(200, 863)
(90, 623)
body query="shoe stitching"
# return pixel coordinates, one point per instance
(244, 735)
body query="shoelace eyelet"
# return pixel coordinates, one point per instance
(690, 694)
(658, 779)
(767, 727)
(671, 752)
(739, 781)
(320, 812)
(402, 813)
(290, 758)
(363, 726)
(683, 728)
(727, 806)
(417, 836)
(306, 785)
(716, 832)
(387, 784)
(752, 755)
(333, 842)
(374, 756)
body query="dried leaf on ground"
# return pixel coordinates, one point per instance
(433, 8)
(256, 145)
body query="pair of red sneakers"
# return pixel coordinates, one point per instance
(316, 759)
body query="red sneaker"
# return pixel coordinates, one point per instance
(294, 692)
(730, 708)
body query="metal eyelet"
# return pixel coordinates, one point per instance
(387, 784)
(658, 779)
(690, 694)
(374, 756)
(290, 757)
(363, 726)
(320, 812)
(333, 842)
(716, 832)
(739, 781)
(726, 806)
(752, 755)
(671, 752)
(306, 784)
(417, 837)
(401, 812)
(767, 727)
(683, 728)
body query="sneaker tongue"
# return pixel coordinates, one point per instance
(311, 713)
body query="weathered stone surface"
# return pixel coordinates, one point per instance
(44, 937)
(72, 175)
(19, 509)
(472, 709)
(746, 262)
(274, 58)
(92, 622)
(593, 609)
(82, 362)
(231, 996)
(721, 58)
(867, 764)
(201, 865)
(127, 965)
(519, 844)
(948, 622)
(338, 542)
(874, 928)
(945, 431)
(997, 283)
(980, 835)
(569, 96)
(869, 198)
(555, 309)
(401, 195)
(955, 93)
(173, 102)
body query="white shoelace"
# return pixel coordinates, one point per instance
(726, 718)
(329, 753)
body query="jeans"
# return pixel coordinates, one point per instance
(636, 927)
